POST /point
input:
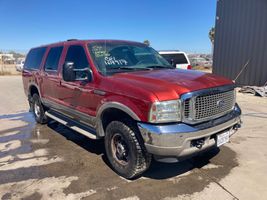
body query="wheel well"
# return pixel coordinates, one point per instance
(33, 90)
(112, 114)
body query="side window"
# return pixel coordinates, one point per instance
(76, 54)
(52, 59)
(34, 58)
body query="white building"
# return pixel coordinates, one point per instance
(7, 58)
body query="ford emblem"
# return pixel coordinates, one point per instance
(220, 103)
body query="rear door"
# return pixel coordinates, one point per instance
(31, 69)
(51, 81)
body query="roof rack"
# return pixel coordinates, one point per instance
(71, 40)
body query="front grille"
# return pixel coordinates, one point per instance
(207, 106)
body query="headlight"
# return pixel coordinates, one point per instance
(165, 111)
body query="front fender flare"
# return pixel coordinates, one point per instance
(117, 105)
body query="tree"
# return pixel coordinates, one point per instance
(147, 42)
(212, 35)
(212, 38)
(15, 54)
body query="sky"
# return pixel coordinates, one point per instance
(167, 24)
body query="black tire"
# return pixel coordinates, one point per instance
(135, 160)
(38, 110)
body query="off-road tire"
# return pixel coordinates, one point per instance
(40, 118)
(139, 159)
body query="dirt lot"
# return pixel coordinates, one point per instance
(52, 162)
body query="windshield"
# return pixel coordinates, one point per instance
(116, 57)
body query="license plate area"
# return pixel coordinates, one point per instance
(222, 138)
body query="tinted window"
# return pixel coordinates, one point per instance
(34, 58)
(77, 55)
(53, 58)
(176, 58)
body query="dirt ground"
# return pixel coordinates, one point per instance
(53, 162)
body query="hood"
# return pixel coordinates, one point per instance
(171, 83)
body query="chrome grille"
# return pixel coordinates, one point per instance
(207, 106)
(187, 108)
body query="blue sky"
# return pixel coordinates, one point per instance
(167, 24)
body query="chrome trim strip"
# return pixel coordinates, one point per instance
(99, 92)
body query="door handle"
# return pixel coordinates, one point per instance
(58, 83)
(78, 88)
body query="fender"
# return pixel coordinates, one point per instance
(117, 105)
(35, 85)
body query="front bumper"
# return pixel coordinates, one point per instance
(177, 140)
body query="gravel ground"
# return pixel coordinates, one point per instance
(53, 162)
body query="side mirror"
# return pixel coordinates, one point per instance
(72, 74)
(68, 73)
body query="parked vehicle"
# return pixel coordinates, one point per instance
(19, 65)
(127, 94)
(177, 59)
(199, 61)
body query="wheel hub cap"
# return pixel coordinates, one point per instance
(119, 149)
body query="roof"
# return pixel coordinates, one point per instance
(76, 41)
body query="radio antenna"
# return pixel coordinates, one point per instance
(242, 70)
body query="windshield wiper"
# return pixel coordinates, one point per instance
(151, 67)
(127, 68)
(159, 67)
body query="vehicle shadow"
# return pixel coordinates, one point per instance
(23, 116)
(157, 170)
(92, 146)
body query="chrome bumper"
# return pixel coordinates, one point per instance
(177, 140)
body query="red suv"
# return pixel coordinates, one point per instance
(129, 95)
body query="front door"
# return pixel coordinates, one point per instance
(78, 96)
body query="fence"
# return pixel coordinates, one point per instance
(8, 69)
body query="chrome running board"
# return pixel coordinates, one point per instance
(76, 126)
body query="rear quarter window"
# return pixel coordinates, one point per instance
(34, 58)
(176, 58)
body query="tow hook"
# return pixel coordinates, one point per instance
(198, 143)
(237, 126)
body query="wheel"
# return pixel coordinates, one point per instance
(125, 149)
(38, 110)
